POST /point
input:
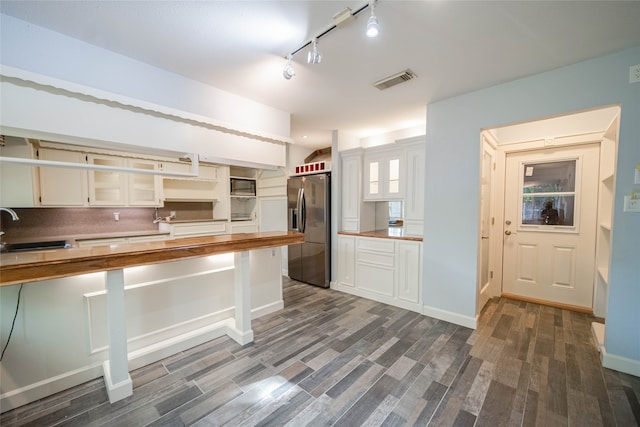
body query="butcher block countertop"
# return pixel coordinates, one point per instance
(51, 264)
(386, 233)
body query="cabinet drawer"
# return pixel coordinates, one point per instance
(101, 242)
(375, 258)
(149, 238)
(244, 228)
(200, 229)
(377, 245)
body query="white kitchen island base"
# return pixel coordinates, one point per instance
(84, 326)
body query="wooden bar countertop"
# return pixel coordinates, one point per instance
(386, 233)
(22, 267)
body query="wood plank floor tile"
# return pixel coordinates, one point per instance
(330, 358)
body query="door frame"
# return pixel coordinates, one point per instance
(498, 196)
(483, 294)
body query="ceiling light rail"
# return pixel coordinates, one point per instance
(341, 20)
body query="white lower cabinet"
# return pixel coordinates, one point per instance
(244, 227)
(120, 240)
(408, 270)
(194, 229)
(347, 260)
(384, 270)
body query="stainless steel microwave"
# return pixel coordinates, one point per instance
(243, 187)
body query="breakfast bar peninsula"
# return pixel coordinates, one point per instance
(103, 310)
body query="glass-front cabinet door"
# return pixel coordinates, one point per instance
(144, 189)
(107, 188)
(373, 187)
(383, 175)
(393, 175)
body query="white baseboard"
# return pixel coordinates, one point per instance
(267, 309)
(116, 391)
(137, 358)
(385, 299)
(32, 392)
(619, 363)
(449, 316)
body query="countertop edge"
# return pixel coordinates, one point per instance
(58, 263)
(381, 234)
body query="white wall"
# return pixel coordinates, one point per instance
(43, 51)
(452, 183)
(58, 88)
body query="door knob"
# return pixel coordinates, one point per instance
(508, 233)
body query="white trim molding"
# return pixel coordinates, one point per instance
(449, 316)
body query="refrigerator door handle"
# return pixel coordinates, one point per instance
(303, 212)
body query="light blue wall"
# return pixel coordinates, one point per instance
(452, 182)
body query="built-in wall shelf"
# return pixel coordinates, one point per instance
(605, 226)
(606, 191)
(604, 274)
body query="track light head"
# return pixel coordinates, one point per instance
(314, 57)
(373, 27)
(288, 71)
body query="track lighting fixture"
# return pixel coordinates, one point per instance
(341, 20)
(288, 71)
(373, 27)
(314, 57)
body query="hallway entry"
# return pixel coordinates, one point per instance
(545, 195)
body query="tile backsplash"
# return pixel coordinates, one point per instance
(72, 222)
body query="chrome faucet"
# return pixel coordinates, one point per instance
(14, 216)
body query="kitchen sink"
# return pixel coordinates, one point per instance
(35, 246)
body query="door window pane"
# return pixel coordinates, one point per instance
(548, 193)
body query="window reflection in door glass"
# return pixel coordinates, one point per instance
(548, 193)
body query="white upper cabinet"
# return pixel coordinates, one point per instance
(383, 171)
(62, 186)
(107, 188)
(414, 191)
(356, 215)
(16, 181)
(144, 189)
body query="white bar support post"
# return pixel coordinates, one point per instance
(116, 368)
(242, 276)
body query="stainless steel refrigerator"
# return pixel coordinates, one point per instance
(309, 213)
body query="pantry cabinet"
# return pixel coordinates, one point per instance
(356, 215)
(414, 190)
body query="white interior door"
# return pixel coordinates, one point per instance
(487, 172)
(550, 218)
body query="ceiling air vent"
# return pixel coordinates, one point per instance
(387, 82)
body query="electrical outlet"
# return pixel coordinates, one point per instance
(634, 74)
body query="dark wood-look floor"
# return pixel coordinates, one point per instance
(330, 358)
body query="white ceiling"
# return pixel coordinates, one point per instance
(239, 46)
